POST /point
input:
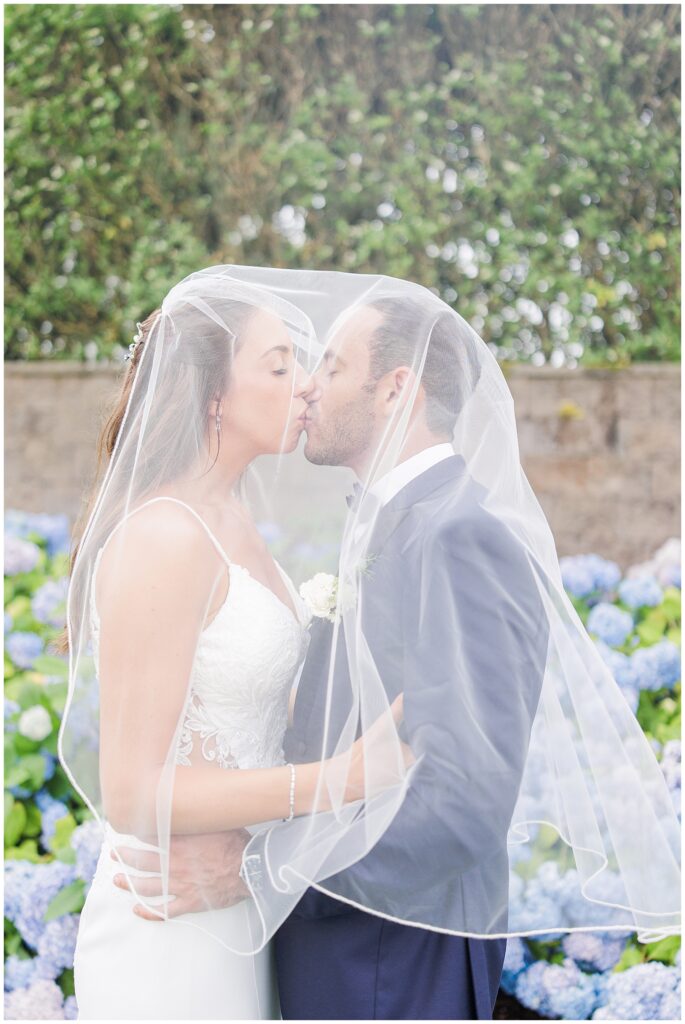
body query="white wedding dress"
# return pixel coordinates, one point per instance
(128, 968)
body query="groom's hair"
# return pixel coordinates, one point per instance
(451, 369)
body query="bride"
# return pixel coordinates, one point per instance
(197, 635)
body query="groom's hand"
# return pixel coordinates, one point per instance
(203, 873)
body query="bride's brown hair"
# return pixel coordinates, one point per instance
(204, 363)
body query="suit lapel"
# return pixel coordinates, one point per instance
(422, 486)
(388, 520)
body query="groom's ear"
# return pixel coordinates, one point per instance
(397, 388)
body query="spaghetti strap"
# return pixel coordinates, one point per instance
(166, 497)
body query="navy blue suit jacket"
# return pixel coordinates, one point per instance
(446, 847)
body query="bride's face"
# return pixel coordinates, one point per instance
(264, 406)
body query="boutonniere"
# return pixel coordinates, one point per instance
(323, 594)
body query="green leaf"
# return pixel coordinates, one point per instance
(69, 900)
(630, 957)
(14, 823)
(13, 942)
(27, 850)
(17, 775)
(27, 770)
(50, 665)
(34, 824)
(62, 838)
(651, 629)
(66, 982)
(665, 950)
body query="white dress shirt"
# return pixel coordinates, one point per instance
(401, 474)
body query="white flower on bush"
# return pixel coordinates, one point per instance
(320, 594)
(35, 723)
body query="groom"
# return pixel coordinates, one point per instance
(336, 961)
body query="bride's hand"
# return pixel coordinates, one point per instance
(381, 740)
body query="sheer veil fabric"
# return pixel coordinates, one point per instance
(527, 765)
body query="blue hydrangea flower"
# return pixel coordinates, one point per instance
(528, 989)
(48, 603)
(557, 990)
(50, 764)
(640, 592)
(657, 666)
(542, 902)
(86, 840)
(670, 766)
(54, 529)
(11, 709)
(671, 1006)
(569, 993)
(582, 912)
(516, 959)
(40, 1001)
(594, 951)
(576, 575)
(668, 660)
(51, 811)
(620, 664)
(601, 986)
(606, 573)
(70, 1008)
(610, 624)
(26, 907)
(637, 994)
(16, 522)
(8, 622)
(670, 576)
(57, 943)
(18, 972)
(585, 574)
(519, 852)
(18, 875)
(632, 695)
(20, 555)
(670, 761)
(23, 648)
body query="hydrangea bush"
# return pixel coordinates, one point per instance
(52, 844)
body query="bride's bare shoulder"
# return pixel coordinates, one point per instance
(163, 535)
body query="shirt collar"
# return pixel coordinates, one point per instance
(404, 472)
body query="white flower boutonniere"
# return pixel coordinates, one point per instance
(322, 593)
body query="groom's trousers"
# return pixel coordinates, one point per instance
(335, 962)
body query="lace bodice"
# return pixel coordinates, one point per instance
(245, 665)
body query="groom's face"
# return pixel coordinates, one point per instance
(341, 422)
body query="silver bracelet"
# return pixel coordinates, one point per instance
(292, 792)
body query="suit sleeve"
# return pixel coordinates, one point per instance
(472, 662)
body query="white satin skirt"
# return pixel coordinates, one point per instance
(128, 968)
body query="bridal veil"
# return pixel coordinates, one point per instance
(528, 763)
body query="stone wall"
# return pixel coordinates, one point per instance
(600, 448)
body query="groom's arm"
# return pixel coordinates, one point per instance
(472, 661)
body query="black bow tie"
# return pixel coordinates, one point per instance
(371, 501)
(354, 498)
